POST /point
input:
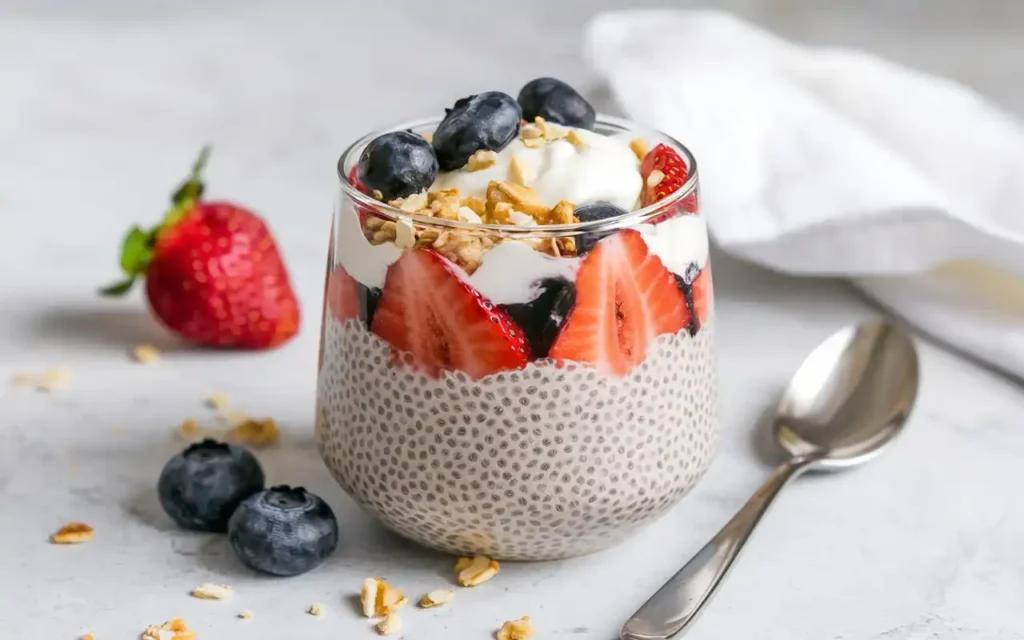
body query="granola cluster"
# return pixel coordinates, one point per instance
(507, 202)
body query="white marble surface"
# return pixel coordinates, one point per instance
(102, 105)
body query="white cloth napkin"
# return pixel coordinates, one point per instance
(819, 161)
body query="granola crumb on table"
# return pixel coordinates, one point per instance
(73, 533)
(520, 629)
(379, 599)
(472, 572)
(210, 591)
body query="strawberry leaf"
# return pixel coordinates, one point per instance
(192, 189)
(137, 247)
(118, 289)
(136, 251)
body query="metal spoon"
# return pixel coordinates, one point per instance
(847, 400)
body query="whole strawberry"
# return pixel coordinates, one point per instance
(213, 272)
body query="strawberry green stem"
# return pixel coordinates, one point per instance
(138, 244)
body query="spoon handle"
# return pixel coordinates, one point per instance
(678, 602)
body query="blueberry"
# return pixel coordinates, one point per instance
(368, 299)
(485, 121)
(561, 307)
(534, 317)
(283, 531)
(685, 283)
(200, 487)
(398, 164)
(593, 213)
(556, 102)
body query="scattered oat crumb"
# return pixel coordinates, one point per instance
(655, 178)
(50, 380)
(87, 636)
(390, 625)
(380, 598)
(73, 533)
(217, 401)
(437, 598)
(481, 160)
(376, 194)
(117, 428)
(176, 626)
(520, 629)
(145, 354)
(212, 592)
(189, 429)
(256, 433)
(475, 571)
(533, 143)
(316, 610)
(429, 137)
(245, 615)
(639, 147)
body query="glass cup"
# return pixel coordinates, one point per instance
(600, 420)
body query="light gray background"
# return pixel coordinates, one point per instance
(102, 105)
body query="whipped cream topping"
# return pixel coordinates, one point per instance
(603, 169)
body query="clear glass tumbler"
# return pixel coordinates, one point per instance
(600, 415)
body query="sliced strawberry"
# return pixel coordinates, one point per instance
(342, 295)
(427, 311)
(666, 160)
(701, 292)
(625, 298)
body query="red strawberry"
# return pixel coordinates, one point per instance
(342, 295)
(213, 272)
(625, 298)
(353, 178)
(702, 292)
(428, 311)
(362, 210)
(666, 160)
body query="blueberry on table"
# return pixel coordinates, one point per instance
(487, 121)
(203, 485)
(398, 164)
(283, 531)
(557, 102)
(593, 213)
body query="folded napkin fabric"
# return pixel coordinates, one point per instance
(831, 162)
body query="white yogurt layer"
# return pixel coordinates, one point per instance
(604, 169)
(510, 272)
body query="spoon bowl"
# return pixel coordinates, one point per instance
(850, 396)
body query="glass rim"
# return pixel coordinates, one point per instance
(626, 220)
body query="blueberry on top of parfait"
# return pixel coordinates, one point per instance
(397, 164)
(486, 121)
(557, 102)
